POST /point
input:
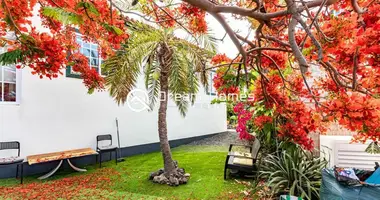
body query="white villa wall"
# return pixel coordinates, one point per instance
(55, 115)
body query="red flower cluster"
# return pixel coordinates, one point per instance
(224, 86)
(91, 78)
(196, 17)
(48, 56)
(357, 112)
(219, 59)
(260, 121)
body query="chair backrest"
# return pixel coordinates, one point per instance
(255, 148)
(102, 138)
(10, 145)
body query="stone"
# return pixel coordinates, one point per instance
(156, 173)
(183, 180)
(177, 177)
(173, 181)
(181, 170)
(161, 179)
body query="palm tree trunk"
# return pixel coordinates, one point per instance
(165, 61)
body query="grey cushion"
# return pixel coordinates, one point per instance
(109, 147)
(11, 160)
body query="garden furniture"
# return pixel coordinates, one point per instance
(60, 156)
(14, 160)
(241, 161)
(105, 148)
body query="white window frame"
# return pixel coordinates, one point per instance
(210, 90)
(18, 88)
(18, 84)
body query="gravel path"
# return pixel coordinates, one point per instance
(221, 139)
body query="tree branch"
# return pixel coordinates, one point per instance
(356, 7)
(355, 69)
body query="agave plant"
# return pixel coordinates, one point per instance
(296, 172)
(169, 65)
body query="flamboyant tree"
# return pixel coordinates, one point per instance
(320, 52)
(311, 61)
(337, 38)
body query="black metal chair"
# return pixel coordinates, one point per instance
(13, 160)
(241, 161)
(105, 148)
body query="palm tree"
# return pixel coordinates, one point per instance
(169, 64)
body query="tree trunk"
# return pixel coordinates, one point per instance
(165, 57)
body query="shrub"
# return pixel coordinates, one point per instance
(295, 171)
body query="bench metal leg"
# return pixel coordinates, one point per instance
(51, 172)
(76, 168)
(225, 167)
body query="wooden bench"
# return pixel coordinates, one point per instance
(61, 156)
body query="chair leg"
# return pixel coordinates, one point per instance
(116, 156)
(22, 172)
(100, 159)
(17, 171)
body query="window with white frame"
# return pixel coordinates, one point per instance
(91, 51)
(211, 89)
(8, 83)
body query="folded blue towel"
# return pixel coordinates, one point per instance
(374, 178)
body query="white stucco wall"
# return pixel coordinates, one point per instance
(55, 115)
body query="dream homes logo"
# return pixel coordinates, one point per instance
(138, 99)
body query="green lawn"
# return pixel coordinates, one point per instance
(129, 179)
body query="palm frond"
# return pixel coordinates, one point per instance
(208, 41)
(123, 69)
(121, 76)
(152, 82)
(197, 56)
(178, 80)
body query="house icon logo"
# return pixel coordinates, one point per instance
(137, 100)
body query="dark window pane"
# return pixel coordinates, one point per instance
(10, 74)
(86, 52)
(94, 53)
(9, 92)
(1, 90)
(94, 62)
